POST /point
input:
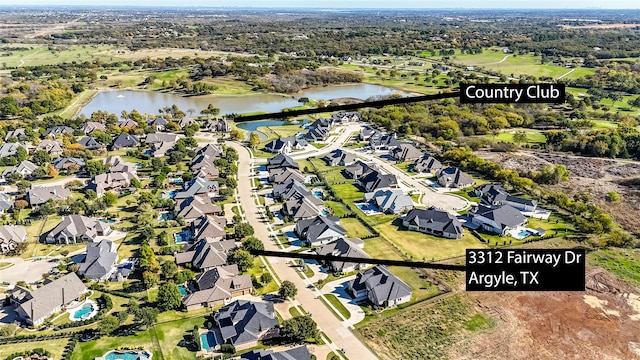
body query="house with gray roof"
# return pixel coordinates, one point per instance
(39, 195)
(452, 177)
(186, 121)
(320, 230)
(10, 149)
(91, 126)
(205, 254)
(111, 181)
(280, 175)
(286, 145)
(162, 148)
(405, 152)
(196, 207)
(346, 117)
(6, 203)
(203, 166)
(381, 287)
(124, 141)
(213, 151)
(427, 164)
(319, 130)
(367, 132)
(35, 306)
(52, 147)
(495, 194)
(208, 226)
(339, 157)
(242, 323)
(115, 164)
(76, 229)
(281, 161)
(376, 180)
(218, 286)
(383, 141)
(499, 220)
(302, 206)
(100, 261)
(390, 201)
(298, 353)
(91, 143)
(279, 190)
(24, 168)
(58, 130)
(18, 134)
(69, 164)
(11, 236)
(159, 123)
(343, 247)
(217, 125)
(128, 124)
(199, 187)
(157, 138)
(434, 222)
(359, 169)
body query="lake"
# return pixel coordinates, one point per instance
(149, 102)
(252, 126)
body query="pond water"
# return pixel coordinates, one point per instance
(149, 102)
(254, 125)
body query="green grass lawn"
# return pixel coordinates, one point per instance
(422, 289)
(169, 336)
(622, 262)
(257, 270)
(379, 248)
(354, 228)
(337, 304)
(422, 246)
(348, 192)
(404, 167)
(533, 136)
(294, 311)
(55, 347)
(338, 209)
(97, 348)
(36, 54)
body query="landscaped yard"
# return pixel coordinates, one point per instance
(338, 305)
(354, 228)
(96, 348)
(55, 347)
(422, 246)
(348, 191)
(338, 209)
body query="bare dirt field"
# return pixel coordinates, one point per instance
(601, 323)
(604, 26)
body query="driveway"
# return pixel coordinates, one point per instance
(338, 288)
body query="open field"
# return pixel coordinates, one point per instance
(354, 228)
(37, 54)
(55, 347)
(533, 136)
(170, 52)
(624, 263)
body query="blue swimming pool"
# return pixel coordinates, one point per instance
(183, 290)
(127, 355)
(83, 312)
(318, 194)
(182, 236)
(177, 181)
(524, 233)
(173, 193)
(166, 216)
(324, 212)
(208, 340)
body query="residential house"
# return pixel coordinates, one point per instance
(10, 149)
(25, 168)
(351, 248)
(58, 130)
(91, 143)
(69, 164)
(495, 194)
(212, 151)
(217, 125)
(499, 220)
(195, 207)
(158, 123)
(77, 228)
(339, 157)
(218, 286)
(298, 353)
(376, 180)
(427, 164)
(243, 323)
(100, 261)
(359, 169)
(111, 181)
(280, 189)
(35, 306)
(433, 221)
(186, 121)
(17, 134)
(162, 149)
(319, 130)
(390, 201)
(281, 175)
(405, 152)
(453, 177)
(10, 237)
(117, 165)
(39, 195)
(302, 206)
(204, 255)
(6, 203)
(203, 166)
(158, 138)
(52, 147)
(346, 117)
(367, 132)
(320, 230)
(208, 226)
(286, 145)
(91, 126)
(383, 142)
(381, 287)
(124, 141)
(199, 187)
(128, 124)
(281, 161)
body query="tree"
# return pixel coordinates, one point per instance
(266, 278)
(95, 168)
(14, 177)
(150, 279)
(299, 329)
(288, 290)
(90, 194)
(20, 204)
(147, 258)
(169, 270)
(183, 276)
(147, 316)
(136, 183)
(109, 198)
(169, 297)
(41, 157)
(612, 196)
(252, 243)
(520, 136)
(109, 324)
(21, 153)
(242, 258)
(236, 134)
(39, 173)
(254, 140)
(243, 230)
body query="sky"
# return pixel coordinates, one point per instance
(382, 4)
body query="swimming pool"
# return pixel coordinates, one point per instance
(127, 355)
(181, 237)
(183, 290)
(208, 340)
(164, 216)
(173, 193)
(324, 212)
(84, 312)
(318, 194)
(524, 233)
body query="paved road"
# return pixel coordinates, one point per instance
(430, 198)
(337, 331)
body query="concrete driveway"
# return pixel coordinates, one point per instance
(339, 289)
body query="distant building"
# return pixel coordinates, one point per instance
(340, 158)
(344, 248)
(320, 230)
(124, 141)
(427, 164)
(218, 286)
(390, 201)
(405, 152)
(40, 195)
(281, 161)
(204, 255)
(286, 145)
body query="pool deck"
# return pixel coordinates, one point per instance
(93, 312)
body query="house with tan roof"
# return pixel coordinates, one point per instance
(218, 286)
